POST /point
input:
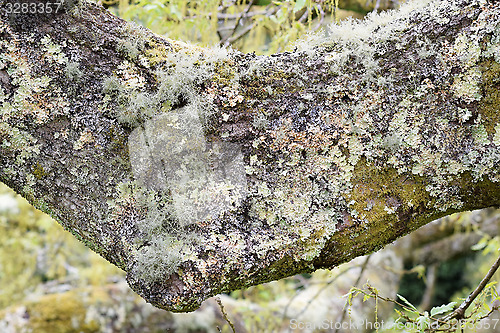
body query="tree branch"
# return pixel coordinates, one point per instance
(459, 313)
(238, 21)
(200, 171)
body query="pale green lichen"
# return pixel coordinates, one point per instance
(111, 85)
(29, 89)
(260, 121)
(467, 50)
(493, 48)
(480, 135)
(133, 45)
(496, 137)
(53, 51)
(73, 71)
(466, 85)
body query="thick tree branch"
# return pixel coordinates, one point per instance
(200, 171)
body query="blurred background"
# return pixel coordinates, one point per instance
(49, 282)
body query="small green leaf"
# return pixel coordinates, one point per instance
(437, 310)
(423, 322)
(479, 246)
(490, 284)
(483, 242)
(420, 270)
(407, 303)
(299, 4)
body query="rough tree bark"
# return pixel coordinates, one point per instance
(200, 171)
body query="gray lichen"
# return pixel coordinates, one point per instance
(370, 131)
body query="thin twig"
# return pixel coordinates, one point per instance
(250, 4)
(224, 314)
(363, 268)
(234, 39)
(219, 11)
(108, 2)
(225, 16)
(321, 17)
(304, 16)
(459, 313)
(245, 31)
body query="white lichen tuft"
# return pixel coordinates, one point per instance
(360, 40)
(171, 155)
(205, 179)
(159, 258)
(73, 71)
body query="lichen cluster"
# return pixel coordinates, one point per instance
(370, 144)
(170, 155)
(266, 166)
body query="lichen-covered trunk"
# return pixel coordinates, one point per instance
(200, 171)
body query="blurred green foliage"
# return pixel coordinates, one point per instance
(35, 249)
(451, 278)
(251, 26)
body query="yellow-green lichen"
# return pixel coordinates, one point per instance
(480, 135)
(467, 50)
(39, 171)
(466, 86)
(490, 105)
(59, 313)
(385, 195)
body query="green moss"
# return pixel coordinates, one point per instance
(224, 73)
(119, 142)
(156, 53)
(59, 313)
(385, 197)
(38, 171)
(478, 193)
(489, 106)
